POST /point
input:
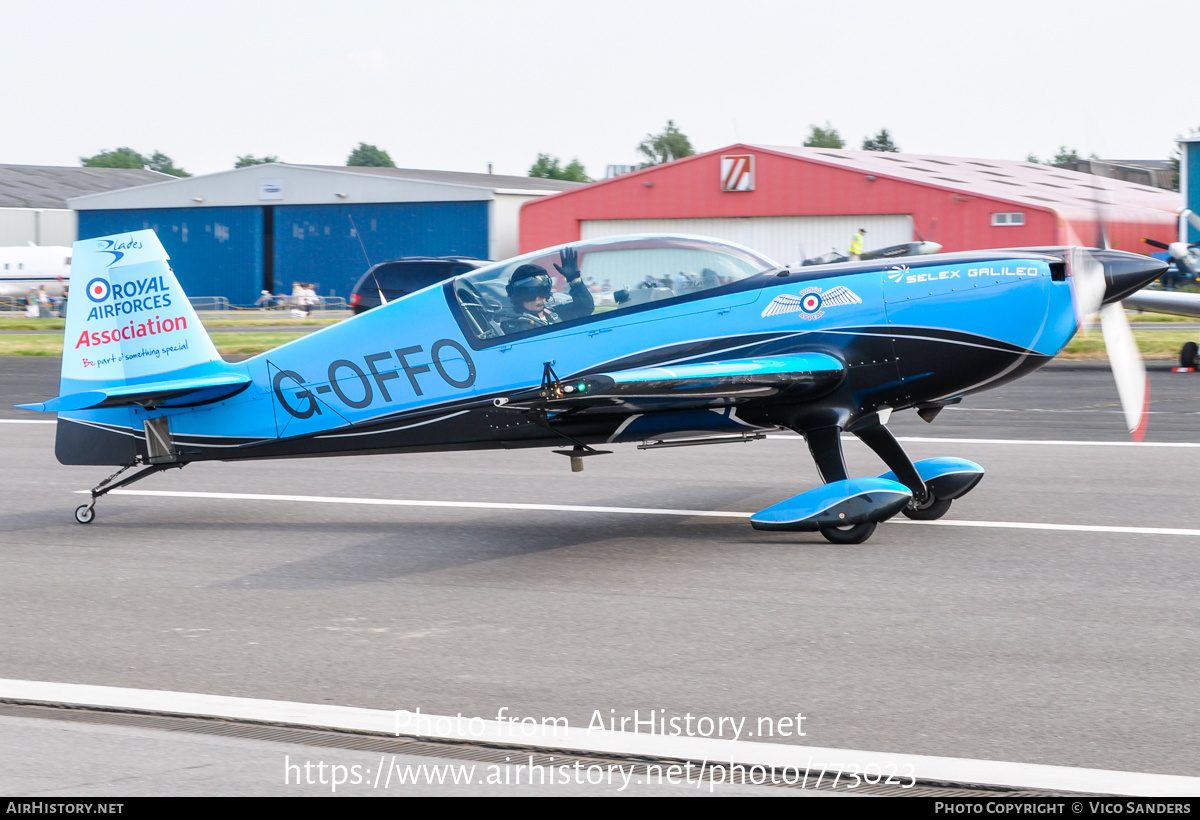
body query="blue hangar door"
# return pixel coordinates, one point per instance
(318, 243)
(214, 251)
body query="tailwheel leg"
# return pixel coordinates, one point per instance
(86, 513)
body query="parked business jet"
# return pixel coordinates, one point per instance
(29, 267)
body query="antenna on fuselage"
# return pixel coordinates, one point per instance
(358, 236)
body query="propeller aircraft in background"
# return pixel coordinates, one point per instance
(1187, 264)
(1185, 257)
(724, 346)
(890, 252)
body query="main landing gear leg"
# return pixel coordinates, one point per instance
(924, 505)
(86, 513)
(934, 482)
(825, 445)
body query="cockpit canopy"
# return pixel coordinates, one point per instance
(620, 274)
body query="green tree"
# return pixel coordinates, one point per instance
(249, 159)
(371, 156)
(117, 158)
(1064, 157)
(165, 165)
(128, 158)
(826, 137)
(880, 142)
(548, 167)
(1033, 158)
(575, 172)
(670, 145)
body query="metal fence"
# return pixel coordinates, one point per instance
(313, 304)
(209, 302)
(17, 306)
(318, 304)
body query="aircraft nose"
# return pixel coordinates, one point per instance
(1126, 273)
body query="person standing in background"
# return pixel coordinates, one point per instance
(856, 245)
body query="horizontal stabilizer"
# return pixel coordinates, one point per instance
(175, 393)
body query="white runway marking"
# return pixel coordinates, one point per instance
(1053, 442)
(28, 421)
(711, 750)
(499, 505)
(1059, 443)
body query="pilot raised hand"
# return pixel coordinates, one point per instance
(529, 289)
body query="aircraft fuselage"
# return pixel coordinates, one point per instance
(410, 376)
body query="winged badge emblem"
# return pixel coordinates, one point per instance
(811, 302)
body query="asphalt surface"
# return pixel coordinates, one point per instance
(1029, 645)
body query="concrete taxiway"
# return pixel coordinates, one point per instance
(1050, 619)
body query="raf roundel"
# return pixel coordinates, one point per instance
(97, 290)
(811, 303)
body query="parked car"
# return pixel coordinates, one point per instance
(400, 277)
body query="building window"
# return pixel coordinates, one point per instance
(1017, 218)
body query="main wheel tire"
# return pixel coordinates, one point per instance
(1187, 356)
(85, 514)
(932, 509)
(854, 534)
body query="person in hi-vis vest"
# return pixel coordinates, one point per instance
(856, 245)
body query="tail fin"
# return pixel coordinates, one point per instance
(132, 337)
(130, 319)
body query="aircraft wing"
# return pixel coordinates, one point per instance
(800, 376)
(174, 393)
(1162, 301)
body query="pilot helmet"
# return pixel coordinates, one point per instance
(528, 282)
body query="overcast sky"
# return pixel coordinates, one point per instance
(456, 84)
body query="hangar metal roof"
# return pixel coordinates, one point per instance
(317, 184)
(1072, 194)
(50, 186)
(503, 181)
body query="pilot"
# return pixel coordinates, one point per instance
(529, 290)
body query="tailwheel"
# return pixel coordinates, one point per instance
(931, 509)
(1187, 356)
(85, 513)
(853, 534)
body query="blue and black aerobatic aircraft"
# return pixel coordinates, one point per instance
(678, 340)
